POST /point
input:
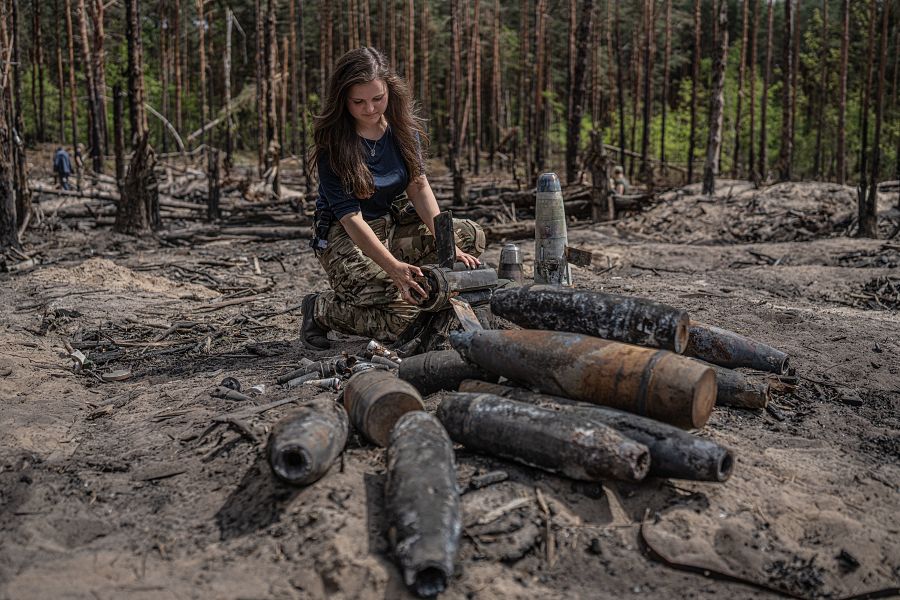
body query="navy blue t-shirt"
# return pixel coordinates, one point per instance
(389, 173)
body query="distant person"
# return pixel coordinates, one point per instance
(62, 167)
(620, 183)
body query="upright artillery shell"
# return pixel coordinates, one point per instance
(306, 441)
(511, 264)
(422, 502)
(673, 452)
(375, 399)
(653, 383)
(732, 350)
(608, 316)
(439, 370)
(560, 442)
(550, 235)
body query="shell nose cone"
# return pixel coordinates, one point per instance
(548, 182)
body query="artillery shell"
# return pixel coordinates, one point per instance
(729, 349)
(653, 383)
(422, 502)
(550, 235)
(735, 389)
(673, 452)
(511, 264)
(332, 383)
(439, 370)
(376, 348)
(304, 444)
(540, 437)
(608, 316)
(375, 399)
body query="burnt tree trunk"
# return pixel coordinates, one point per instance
(786, 152)
(736, 158)
(119, 136)
(60, 80)
(751, 145)
(538, 132)
(865, 219)
(176, 61)
(138, 209)
(273, 144)
(261, 88)
(822, 104)
(620, 86)
(496, 100)
(454, 105)
(226, 64)
(292, 68)
(577, 90)
(667, 53)
(98, 64)
(649, 51)
(72, 104)
(304, 157)
(868, 224)
(764, 101)
(95, 131)
(695, 84)
(716, 104)
(842, 94)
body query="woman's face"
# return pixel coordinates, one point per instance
(367, 102)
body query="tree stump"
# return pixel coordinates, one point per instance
(138, 210)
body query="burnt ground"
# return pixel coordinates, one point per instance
(129, 489)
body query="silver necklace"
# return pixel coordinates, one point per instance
(372, 148)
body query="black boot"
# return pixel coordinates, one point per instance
(312, 335)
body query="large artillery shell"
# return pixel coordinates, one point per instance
(422, 502)
(375, 399)
(439, 370)
(550, 235)
(729, 349)
(306, 441)
(653, 383)
(511, 264)
(540, 437)
(608, 316)
(734, 389)
(673, 452)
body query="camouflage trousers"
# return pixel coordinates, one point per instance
(363, 300)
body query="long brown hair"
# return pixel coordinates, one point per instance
(334, 131)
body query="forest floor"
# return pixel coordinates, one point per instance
(129, 489)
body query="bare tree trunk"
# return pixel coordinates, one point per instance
(283, 87)
(164, 75)
(842, 94)
(454, 108)
(292, 67)
(366, 24)
(393, 36)
(764, 102)
(273, 144)
(226, 63)
(620, 86)
(304, 156)
(821, 105)
(577, 90)
(353, 9)
(751, 139)
(204, 104)
(865, 103)
(138, 209)
(424, 34)
(665, 102)
(60, 81)
(72, 105)
(383, 29)
(119, 136)
(637, 47)
(20, 169)
(525, 107)
(786, 153)
(9, 218)
(795, 71)
(717, 104)
(695, 84)
(868, 210)
(649, 51)
(261, 94)
(96, 134)
(538, 132)
(475, 89)
(37, 72)
(99, 65)
(325, 45)
(736, 159)
(176, 62)
(496, 99)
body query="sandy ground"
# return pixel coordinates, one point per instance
(125, 489)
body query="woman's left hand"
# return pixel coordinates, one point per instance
(470, 261)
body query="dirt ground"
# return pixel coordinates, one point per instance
(129, 489)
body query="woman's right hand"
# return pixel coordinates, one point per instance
(403, 275)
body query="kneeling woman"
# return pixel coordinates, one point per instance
(375, 211)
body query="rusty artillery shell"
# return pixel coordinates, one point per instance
(729, 349)
(609, 316)
(375, 399)
(332, 384)
(541, 437)
(735, 389)
(511, 264)
(376, 348)
(439, 370)
(673, 452)
(422, 502)
(653, 383)
(550, 235)
(306, 441)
